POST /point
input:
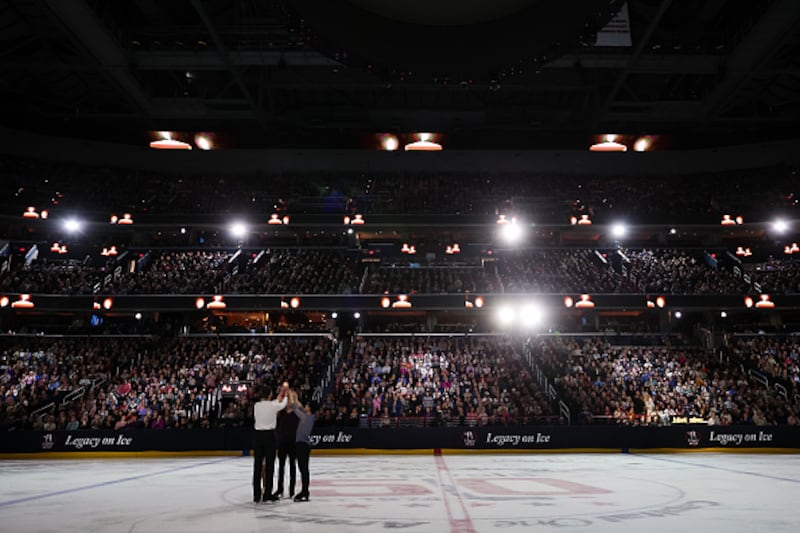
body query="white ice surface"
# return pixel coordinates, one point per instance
(480, 493)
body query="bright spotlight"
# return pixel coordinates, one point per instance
(356, 315)
(780, 225)
(643, 144)
(618, 230)
(723, 314)
(334, 315)
(505, 315)
(238, 229)
(72, 225)
(531, 315)
(138, 316)
(511, 233)
(202, 142)
(678, 314)
(389, 142)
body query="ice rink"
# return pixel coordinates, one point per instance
(453, 493)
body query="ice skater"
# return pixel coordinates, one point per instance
(302, 445)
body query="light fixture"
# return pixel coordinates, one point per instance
(619, 230)
(505, 315)
(608, 144)
(108, 303)
(424, 144)
(199, 303)
(678, 314)
(72, 225)
(334, 315)
(728, 221)
(294, 303)
(389, 142)
(356, 315)
(585, 302)
(276, 220)
(402, 302)
(24, 302)
(531, 315)
(386, 302)
(202, 141)
(238, 229)
(764, 302)
(168, 143)
(137, 316)
(568, 301)
(780, 225)
(643, 144)
(357, 219)
(4, 301)
(216, 303)
(30, 212)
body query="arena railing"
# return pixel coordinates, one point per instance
(47, 407)
(379, 422)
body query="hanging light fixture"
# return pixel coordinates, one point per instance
(424, 144)
(168, 143)
(608, 144)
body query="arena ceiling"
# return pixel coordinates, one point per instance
(508, 73)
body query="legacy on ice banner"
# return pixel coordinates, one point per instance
(522, 438)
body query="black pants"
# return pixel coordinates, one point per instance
(302, 451)
(263, 450)
(284, 453)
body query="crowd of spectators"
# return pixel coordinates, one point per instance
(776, 357)
(672, 271)
(658, 385)
(157, 383)
(296, 272)
(430, 280)
(57, 277)
(775, 276)
(568, 270)
(553, 197)
(112, 383)
(333, 271)
(434, 381)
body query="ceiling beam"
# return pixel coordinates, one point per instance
(84, 26)
(634, 57)
(222, 50)
(208, 60)
(704, 64)
(753, 52)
